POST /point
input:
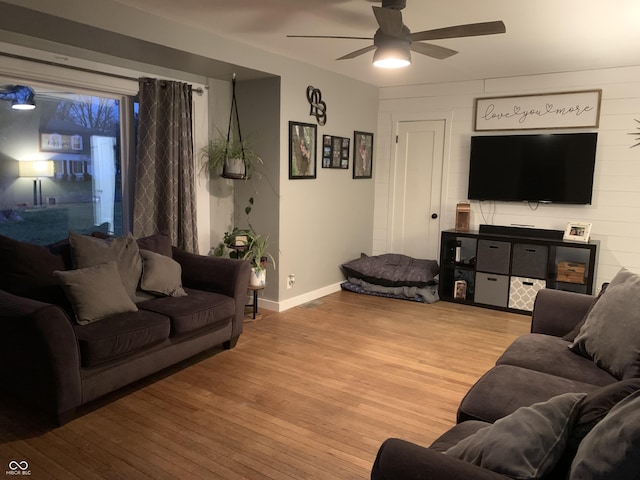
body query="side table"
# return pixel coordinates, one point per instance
(255, 299)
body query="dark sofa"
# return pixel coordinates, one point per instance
(59, 354)
(561, 402)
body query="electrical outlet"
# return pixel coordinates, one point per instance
(291, 279)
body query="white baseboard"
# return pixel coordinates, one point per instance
(299, 300)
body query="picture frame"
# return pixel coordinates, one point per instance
(577, 232)
(578, 109)
(460, 290)
(302, 150)
(335, 152)
(362, 155)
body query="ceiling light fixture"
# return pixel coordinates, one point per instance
(391, 52)
(21, 97)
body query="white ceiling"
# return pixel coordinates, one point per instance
(542, 35)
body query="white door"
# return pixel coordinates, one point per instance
(104, 179)
(416, 188)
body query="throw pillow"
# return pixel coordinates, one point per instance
(571, 336)
(27, 270)
(611, 332)
(89, 252)
(526, 444)
(595, 406)
(612, 448)
(161, 275)
(159, 243)
(95, 292)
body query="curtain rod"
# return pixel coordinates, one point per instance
(198, 90)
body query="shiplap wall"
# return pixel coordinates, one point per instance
(615, 211)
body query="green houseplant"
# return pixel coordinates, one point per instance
(229, 158)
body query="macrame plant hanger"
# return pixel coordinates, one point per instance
(240, 170)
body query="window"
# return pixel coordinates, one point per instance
(60, 165)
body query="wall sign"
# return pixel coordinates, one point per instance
(546, 110)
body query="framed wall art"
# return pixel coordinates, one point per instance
(335, 152)
(302, 150)
(362, 155)
(579, 109)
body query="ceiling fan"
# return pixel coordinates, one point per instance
(393, 41)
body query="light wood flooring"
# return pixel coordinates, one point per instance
(309, 393)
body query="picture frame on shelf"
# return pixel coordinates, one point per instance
(335, 152)
(577, 232)
(362, 155)
(302, 150)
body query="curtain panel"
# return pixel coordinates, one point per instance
(165, 171)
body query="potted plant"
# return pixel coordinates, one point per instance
(256, 252)
(229, 158)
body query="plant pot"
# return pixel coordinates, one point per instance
(234, 168)
(258, 277)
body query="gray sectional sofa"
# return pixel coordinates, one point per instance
(87, 316)
(561, 402)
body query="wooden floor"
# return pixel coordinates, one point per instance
(309, 393)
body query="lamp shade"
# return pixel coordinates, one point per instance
(36, 168)
(392, 55)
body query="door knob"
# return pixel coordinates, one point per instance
(434, 215)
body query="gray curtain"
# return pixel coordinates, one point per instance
(165, 171)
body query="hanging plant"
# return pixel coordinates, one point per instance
(230, 156)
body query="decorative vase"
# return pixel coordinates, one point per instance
(258, 277)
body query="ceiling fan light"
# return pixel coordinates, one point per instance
(391, 57)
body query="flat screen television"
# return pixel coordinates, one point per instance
(549, 168)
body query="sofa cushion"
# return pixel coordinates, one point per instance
(161, 275)
(505, 388)
(159, 243)
(27, 270)
(612, 448)
(89, 252)
(526, 444)
(197, 310)
(120, 335)
(95, 292)
(611, 331)
(549, 354)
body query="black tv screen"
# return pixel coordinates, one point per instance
(554, 168)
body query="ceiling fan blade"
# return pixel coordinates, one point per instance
(431, 50)
(389, 20)
(357, 53)
(469, 30)
(329, 36)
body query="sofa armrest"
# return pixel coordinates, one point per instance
(401, 460)
(39, 358)
(227, 276)
(557, 312)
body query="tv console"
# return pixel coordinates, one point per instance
(503, 267)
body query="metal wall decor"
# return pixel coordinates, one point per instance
(318, 108)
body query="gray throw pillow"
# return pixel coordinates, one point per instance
(161, 275)
(611, 331)
(612, 449)
(526, 444)
(90, 251)
(95, 292)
